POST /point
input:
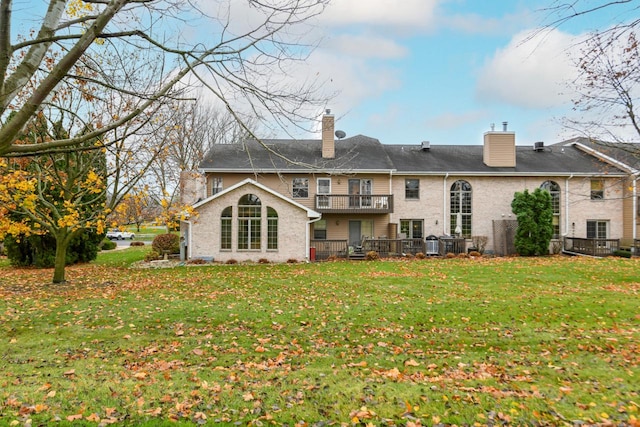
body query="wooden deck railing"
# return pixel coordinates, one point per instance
(593, 247)
(324, 249)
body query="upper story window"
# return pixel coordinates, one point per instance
(412, 189)
(324, 185)
(300, 188)
(597, 189)
(216, 185)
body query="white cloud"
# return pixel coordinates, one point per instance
(530, 73)
(365, 46)
(381, 13)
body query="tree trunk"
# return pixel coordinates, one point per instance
(62, 243)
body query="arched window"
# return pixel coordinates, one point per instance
(554, 189)
(460, 209)
(225, 228)
(272, 228)
(249, 221)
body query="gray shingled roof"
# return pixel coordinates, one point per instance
(627, 153)
(469, 159)
(355, 153)
(361, 153)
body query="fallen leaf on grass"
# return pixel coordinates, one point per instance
(74, 417)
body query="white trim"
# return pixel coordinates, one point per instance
(310, 212)
(604, 157)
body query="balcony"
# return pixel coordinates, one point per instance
(351, 204)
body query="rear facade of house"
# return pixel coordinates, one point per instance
(302, 199)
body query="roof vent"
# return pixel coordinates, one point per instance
(425, 145)
(538, 146)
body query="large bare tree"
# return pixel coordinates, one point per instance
(241, 66)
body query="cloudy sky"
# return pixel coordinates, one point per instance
(406, 71)
(444, 70)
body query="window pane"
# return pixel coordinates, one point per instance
(324, 185)
(554, 189)
(416, 229)
(216, 185)
(460, 203)
(320, 229)
(597, 189)
(412, 188)
(300, 187)
(225, 228)
(272, 228)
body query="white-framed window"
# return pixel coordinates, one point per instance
(412, 189)
(597, 189)
(300, 188)
(225, 228)
(216, 185)
(272, 229)
(249, 222)
(460, 209)
(323, 191)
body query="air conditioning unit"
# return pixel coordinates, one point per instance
(425, 145)
(538, 146)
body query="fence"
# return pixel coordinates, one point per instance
(593, 247)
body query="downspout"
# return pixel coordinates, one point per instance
(566, 207)
(188, 242)
(444, 205)
(634, 221)
(307, 237)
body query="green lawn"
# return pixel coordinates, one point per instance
(546, 341)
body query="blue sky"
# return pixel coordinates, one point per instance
(444, 70)
(435, 70)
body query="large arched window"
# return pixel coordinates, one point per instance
(272, 228)
(554, 189)
(460, 209)
(225, 228)
(249, 219)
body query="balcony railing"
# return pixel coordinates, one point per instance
(333, 203)
(593, 247)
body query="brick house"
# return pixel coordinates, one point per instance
(283, 199)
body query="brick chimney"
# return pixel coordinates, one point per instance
(500, 148)
(328, 141)
(192, 187)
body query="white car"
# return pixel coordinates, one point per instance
(120, 235)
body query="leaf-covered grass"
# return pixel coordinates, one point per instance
(544, 341)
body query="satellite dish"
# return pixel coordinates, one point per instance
(340, 134)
